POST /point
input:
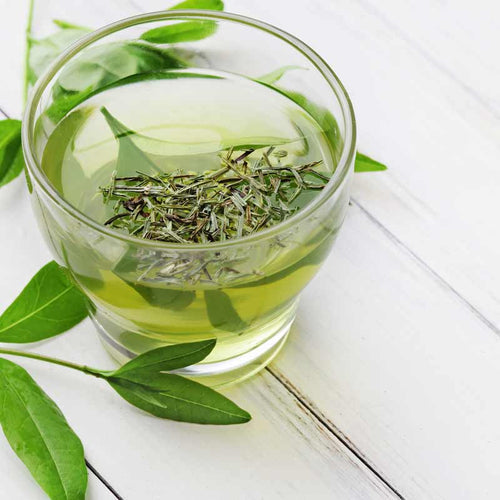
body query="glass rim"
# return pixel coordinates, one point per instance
(346, 158)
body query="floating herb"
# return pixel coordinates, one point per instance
(246, 194)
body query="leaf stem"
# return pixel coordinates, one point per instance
(28, 49)
(85, 369)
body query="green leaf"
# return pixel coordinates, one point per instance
(364, 163)
(98, 66)
(11, 155)
(328, 124)
(44, 51)
(67, 101)
(176, 398)
(66, 25)
(313, 258)
(49, 305)
(56, 150)
(165, 358)
(323, 117)
(274, 76)
(40, 435)
(199, 4)
(130, 157)
(186, 31)
(222, 313)
(167, 298)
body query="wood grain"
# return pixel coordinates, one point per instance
(395, 351)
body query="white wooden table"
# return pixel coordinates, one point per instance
(389, 385)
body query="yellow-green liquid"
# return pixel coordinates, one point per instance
(184, 123)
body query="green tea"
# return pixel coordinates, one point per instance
(183, 122)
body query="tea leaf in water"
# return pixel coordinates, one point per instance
(177, 398)
(129, 155)
(49, 305)
(166, 298)
(69, 100)
(11, 155)
(164, 359)
(222, 313)
(99, 66)
(277, 74)
(40, 435)
(44, 51)
(329, 124)
(242, 197)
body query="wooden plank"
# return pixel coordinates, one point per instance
(457, 37)
(284, 452)
(437, 138)
(393, 361)
(411, 379)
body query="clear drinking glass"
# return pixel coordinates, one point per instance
(143, 293)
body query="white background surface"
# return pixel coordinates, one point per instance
(389, 385)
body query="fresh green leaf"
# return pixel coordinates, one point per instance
(199, 4)
(40, 435)
(274, 76)
(49, 305)
(364, 163)
(130, 157)
(222, 313)
(56, 151)
(186, 31)
(323, 117)
(313, 258)
(11, 155)
(176, 398)
(165, 358)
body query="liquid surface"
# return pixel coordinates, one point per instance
(183, 123)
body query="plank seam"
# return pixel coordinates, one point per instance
(103, 480)
(426, 267)
(4, 113)
(328, 425)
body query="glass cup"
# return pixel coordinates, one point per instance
(243, 292)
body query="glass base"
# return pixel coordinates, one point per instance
(213, 374)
